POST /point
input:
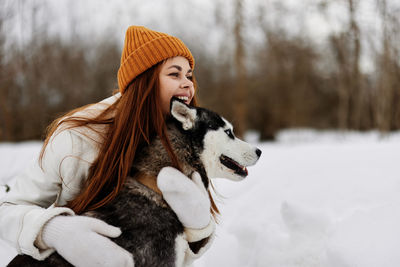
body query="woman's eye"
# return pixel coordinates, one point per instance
(230, 134)
(190, 78)
(175, 74)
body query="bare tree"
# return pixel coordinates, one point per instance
(388, 74)
(241, 90)
(6, 114)
(355, 80)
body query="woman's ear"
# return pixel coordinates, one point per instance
(183, 113)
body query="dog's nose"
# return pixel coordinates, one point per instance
(258, 152)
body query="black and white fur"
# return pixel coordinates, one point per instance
(203, 142)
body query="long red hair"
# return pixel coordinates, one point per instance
(131, 122)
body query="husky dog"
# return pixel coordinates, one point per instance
(203, 142)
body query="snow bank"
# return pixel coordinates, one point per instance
(326, 200)
(314, 199)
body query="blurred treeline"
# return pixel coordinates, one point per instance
(282, 80)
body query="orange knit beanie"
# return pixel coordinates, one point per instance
(144, 48)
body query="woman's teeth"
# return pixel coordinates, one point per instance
(183, 98)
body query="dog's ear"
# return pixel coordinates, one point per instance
(183, 113)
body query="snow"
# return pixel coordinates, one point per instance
(314, 199)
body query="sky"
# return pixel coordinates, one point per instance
(192, 20)
(314, 199)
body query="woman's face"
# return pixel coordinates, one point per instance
(175, 80)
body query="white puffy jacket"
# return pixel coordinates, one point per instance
(39, 193)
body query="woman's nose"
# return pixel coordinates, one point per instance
(186, 83)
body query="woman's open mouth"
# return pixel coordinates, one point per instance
(184, 99)
(233, 165)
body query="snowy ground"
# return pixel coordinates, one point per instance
(314, 199)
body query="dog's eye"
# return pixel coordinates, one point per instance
(230, 134)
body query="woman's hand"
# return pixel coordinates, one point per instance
(187, 198)
(84, 241)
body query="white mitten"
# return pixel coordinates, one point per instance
(83, 241)
(187, 198)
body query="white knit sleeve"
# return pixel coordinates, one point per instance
(34, 196)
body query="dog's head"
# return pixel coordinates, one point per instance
(221, 153)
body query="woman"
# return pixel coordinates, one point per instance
(87, 155)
